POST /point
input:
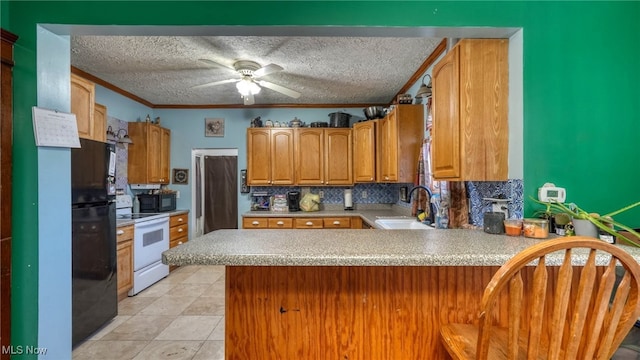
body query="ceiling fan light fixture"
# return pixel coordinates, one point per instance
(247, 87)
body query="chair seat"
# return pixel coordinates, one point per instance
(461, 341)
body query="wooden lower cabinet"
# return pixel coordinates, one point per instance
(341, 222)
(125, 260)
(178, 232)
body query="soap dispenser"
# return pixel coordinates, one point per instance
(136, 205)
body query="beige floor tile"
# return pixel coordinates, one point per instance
(176, 278)
(107, 328)
(218, 331)
(174, 350)
(204, 276)
(190, 328)
(210, 350)
(168, 305)
(140, 327)
(156, 290)
(215, 290)
(133, 305)
(206, 306)
(110, 350)
(193, 290)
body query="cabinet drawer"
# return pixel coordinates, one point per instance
(176, 220)
(178, 231)
(124, 233)
(255, 223)
(178, 241)
(309, 223)
(280, 223)
(337, 223)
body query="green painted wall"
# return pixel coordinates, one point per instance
(581, 90)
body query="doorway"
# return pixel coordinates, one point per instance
(214, 195)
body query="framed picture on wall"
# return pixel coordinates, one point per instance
(213, 127)
(181, 176)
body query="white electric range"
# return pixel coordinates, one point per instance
(150, 239)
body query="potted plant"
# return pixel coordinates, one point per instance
(605, 223)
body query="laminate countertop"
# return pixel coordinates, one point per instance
(371, 247)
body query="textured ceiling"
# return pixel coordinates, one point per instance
(324, 69)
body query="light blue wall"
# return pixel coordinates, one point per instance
(54, 204)
(121, 107)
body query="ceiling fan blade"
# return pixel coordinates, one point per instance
(215, 83)
(266, 70)
(216, 64)
(281, 89)
(249, 99)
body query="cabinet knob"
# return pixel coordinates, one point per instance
(336, 222)
(180, 230)
(255, 223)
(180, 219)
(179, 242)
(309, 223)
(280, 223)
(120, 232)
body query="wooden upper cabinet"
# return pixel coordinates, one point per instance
(282, 158)
(470, 121)
(270, 156)
(309, 154)
(401, 135)
(338, 157)
(364, 151)
(258, 157)
(83, 96)
(100, 122)
(148, 160)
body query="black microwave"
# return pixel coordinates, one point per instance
(154, 203)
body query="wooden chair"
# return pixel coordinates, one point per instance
(582, 313)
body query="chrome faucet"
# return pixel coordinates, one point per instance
(431, 215)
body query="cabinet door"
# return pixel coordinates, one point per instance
(338, 161)
(446, 119)
(389, 147)
(258, 157)
(82, 104)
(100, 123)
(154, 153)
(309, 156)
(282, 159)
(165, 153)
(364, 151)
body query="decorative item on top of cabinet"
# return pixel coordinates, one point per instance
(270, 156)
(100, 122)
(470, 124)
(83, 95)
(125, 260)
(401, 134)
(148, 160)
(178, 231)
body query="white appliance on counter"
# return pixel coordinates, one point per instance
(150, 239)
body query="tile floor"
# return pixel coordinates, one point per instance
(180, 317)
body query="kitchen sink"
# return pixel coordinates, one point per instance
(396, 223)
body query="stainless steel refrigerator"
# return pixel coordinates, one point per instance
(93, 216)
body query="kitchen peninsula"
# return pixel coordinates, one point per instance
(350, 294)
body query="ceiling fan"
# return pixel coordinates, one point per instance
(249, 82)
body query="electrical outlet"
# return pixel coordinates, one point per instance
(363, 194)
(321, 193)
(178, 194)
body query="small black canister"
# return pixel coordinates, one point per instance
(494, 222)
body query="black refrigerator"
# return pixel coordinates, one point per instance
(94, 297)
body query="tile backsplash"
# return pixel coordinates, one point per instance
(389, 194)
